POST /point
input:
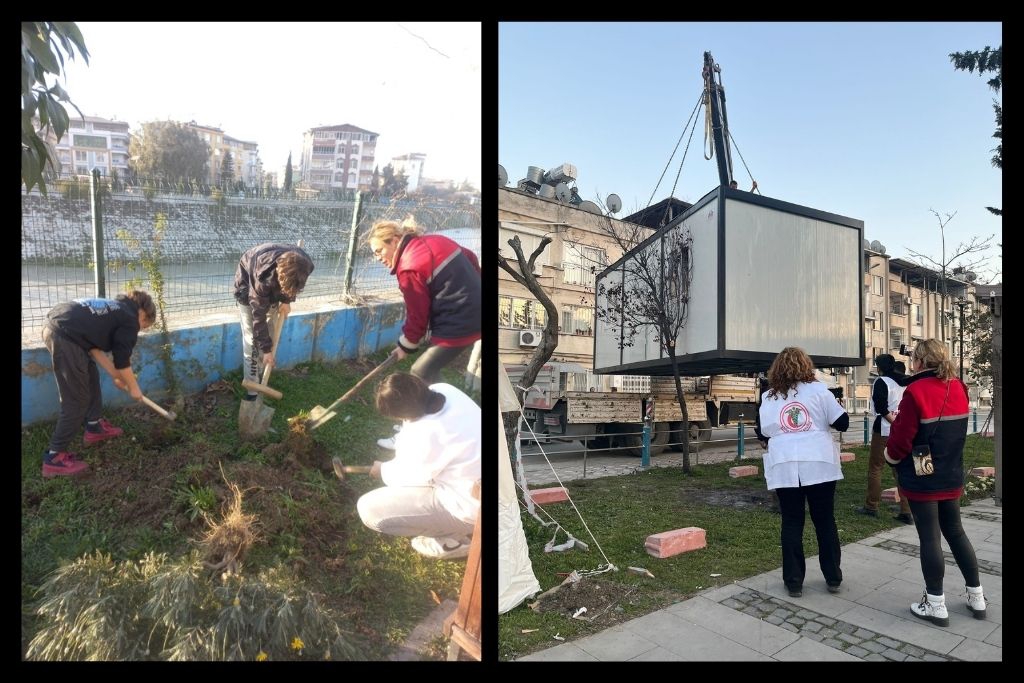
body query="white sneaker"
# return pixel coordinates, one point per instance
(976, 602)
(388, 443)
(931, 608)
(443, 548)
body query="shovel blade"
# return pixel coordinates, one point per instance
(254, 419)
(318, 416)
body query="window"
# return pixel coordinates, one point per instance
(867, 334)
(340, 163)
(578, 320)
(529, 243)
(520, 314)
(101, 158)
(81, 156)
(918, 315)
(323, 149)
(580, 264)
(897, 304)
(321, 134)
(876, 285)
(94, 141)
(82, 170)
(877, 325)
(357, 136)
(895, 337)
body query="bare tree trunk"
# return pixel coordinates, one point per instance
(682, 405)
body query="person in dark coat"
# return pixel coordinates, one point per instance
(79, 334)
(268, 279)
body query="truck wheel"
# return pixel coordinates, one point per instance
(675, 437)
(700, 431)
(597, 442)
(625, 439)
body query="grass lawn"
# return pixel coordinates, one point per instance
(150, 489)
(742, 540)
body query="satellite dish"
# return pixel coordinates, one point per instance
(877, 246)
(867, 245)
(971, 276)
(547, 192)
(590, 207)
(562, 192)
(502, 176)
(614, 203)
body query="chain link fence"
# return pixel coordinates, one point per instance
(193, 240)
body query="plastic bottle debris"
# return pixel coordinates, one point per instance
(581, 610)
(558, 637)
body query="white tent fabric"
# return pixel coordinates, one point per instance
(516, 580)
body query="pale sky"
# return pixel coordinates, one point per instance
(415, 84)
(866, 120)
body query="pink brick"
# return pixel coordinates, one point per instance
(892, 495)
(553, 495)
(742, 471)
(846, 456)
(669, 543)
(983, 472)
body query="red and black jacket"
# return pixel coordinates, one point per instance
(440, 282)
(932, 412)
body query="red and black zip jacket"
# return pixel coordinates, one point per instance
(440, 282)
(932, 412)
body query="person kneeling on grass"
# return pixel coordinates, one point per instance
(428, 492)
(78, 335)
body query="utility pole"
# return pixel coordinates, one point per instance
(961, 303)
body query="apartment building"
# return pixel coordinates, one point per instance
(338, 157)
(412, 166)
(93, 142)
(580, 248)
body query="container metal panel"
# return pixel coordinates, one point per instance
(792, 280)
(701, 330)
(606, 335)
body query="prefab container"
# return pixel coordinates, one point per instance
(766, 274)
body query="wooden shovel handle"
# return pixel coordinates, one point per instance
(387, 363)
(273, 346)
(157, 408)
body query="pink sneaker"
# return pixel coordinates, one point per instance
(107, 431)
(63, 465)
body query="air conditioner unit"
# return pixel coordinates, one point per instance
(529, 337)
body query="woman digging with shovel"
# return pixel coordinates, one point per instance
(78, 335)
(428, 491)
(440, 282)
(268, 279)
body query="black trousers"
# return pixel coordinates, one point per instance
(78, 386)
(821, 500)
(428, 366)
(943, 516)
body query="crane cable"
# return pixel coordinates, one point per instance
(758, 190)
(671, 156)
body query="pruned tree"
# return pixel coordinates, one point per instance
(652, 297)
(170, 151)
(521, 269)
(965, 255)
(987, 61)
(41, 55)
(288, 174)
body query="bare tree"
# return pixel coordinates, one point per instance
(652, 297)
(521, 270)
(964, 255)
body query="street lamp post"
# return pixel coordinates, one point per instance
(961, 303)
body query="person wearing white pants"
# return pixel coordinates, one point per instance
(428, 485)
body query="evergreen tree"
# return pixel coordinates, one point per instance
(227, 170)
(288, 174)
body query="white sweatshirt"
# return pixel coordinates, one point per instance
(441, 450)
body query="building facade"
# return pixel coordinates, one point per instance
(412, 166)
(338, 157)
(93, 143)
(580, 249)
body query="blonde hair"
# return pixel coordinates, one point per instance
(386, 231)
(934, 356)
(789, 368)
(292, 273)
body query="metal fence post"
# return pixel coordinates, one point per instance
(645, 458)
(975, 430)
(96, 204)
(740, 438)
(353, 240)
(866, 440)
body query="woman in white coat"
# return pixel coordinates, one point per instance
(802, 462)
